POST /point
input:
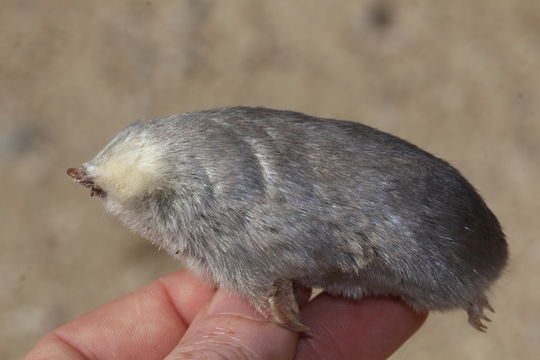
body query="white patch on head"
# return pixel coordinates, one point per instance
(128, 168)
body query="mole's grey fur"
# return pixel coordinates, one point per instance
(251, 196)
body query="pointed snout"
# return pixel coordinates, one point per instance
(76, 174)
(80, 176)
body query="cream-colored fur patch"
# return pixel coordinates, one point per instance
(128, 169)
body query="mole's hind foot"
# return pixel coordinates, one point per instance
(283, 307)
(476, 314)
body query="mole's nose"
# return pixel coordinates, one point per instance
(82, 178)
(77, 174)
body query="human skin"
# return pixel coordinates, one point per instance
(180, 317)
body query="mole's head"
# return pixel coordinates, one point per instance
(130, 168)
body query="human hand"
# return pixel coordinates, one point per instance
(180, 317)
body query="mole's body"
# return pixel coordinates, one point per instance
(255, 199)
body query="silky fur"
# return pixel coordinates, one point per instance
(246, 196)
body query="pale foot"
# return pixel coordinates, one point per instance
(476, 314)
(283, 307)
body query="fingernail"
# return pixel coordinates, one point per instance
(225, 302)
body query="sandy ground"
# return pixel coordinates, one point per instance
(459, 78)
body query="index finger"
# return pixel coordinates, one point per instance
(371, 328)
(146, 324)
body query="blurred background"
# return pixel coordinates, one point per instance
(459, 78)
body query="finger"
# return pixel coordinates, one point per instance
(230, 328)
(146, 324)
(372, 328)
